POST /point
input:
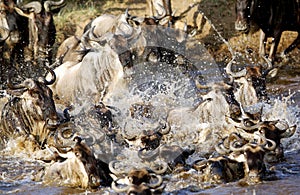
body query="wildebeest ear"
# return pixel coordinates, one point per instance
(272, 73)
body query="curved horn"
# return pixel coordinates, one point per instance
(127, 15)
(200, 164)
(148, 156)
(235, 149)
(221, 149)
(272, 147)
(57, 4)
(90, 40)
(33, 6)
(90, 135)
(118, 189)
(164, 128)
(158, 183)
(85, 39)
(161, 169)
(252, 147)
(289, 132)
(269, 63)
(92, 35)
(67, 141)
(163, 14)
(200, 86)
(111, 167)
(235, 74)
(62, 131)
(97, 38)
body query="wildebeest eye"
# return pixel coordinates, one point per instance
(77, 154)
(67, 133)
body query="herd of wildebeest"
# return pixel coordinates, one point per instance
(88, 69)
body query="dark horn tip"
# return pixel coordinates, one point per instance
(77, 139)
(53, 79)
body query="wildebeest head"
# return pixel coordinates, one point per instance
(252, 155)
(172, 155)
(242, 9)
(69, 50)
(219, 169)
(78, 168)
(273, 130)
(96, 170)
(31, 111)
(138, 181)
(42, 30)
(252, 81)
(10, 27)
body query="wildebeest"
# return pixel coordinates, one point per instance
(219, 169)
(197, 124)
(272, 17)
(143, 128)
(12, 29)
(161, 14)
(252, 82)
(41, 28)
(30, 111)
(117, 32)
(252, 155)
(106, 52)
(69, 50)
(249, 150)
(102, 25)
(172, 155)
(138, 181)
(78, 167)
(160, 8)
(223, 100)
(272, 130)
(92, 79)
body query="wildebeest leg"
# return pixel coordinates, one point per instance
(295, 43)
(274, 46)
(150, 4)
(202, 21)
(262, 43)
(167, 5)
(159, 8)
